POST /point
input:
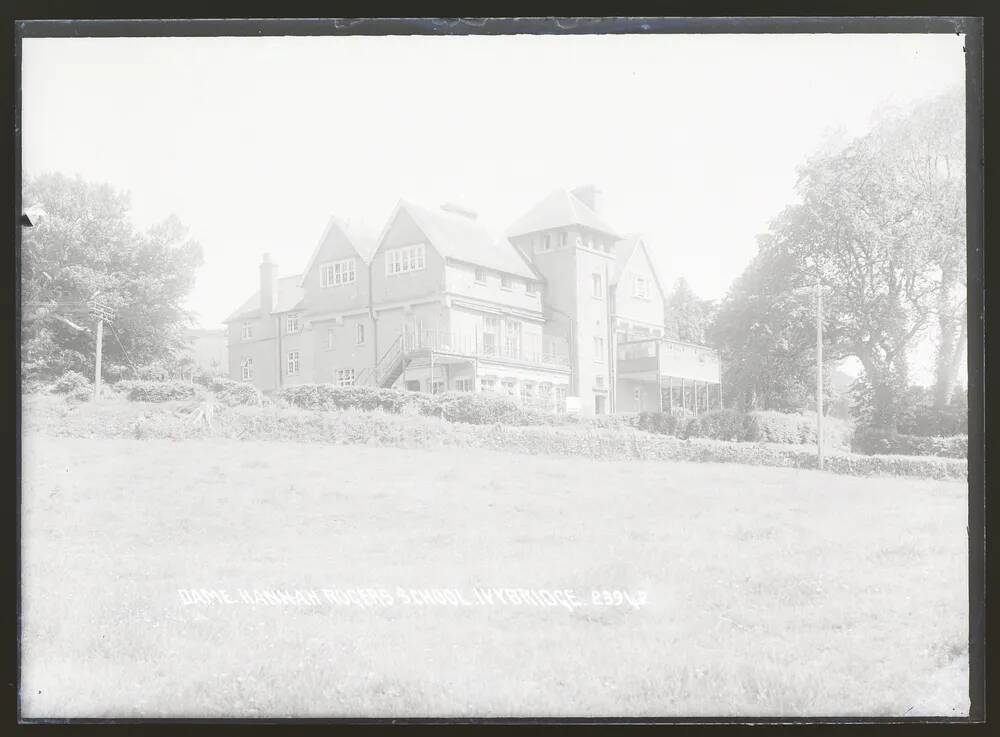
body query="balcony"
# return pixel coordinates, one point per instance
(666, 358)
(538, 351)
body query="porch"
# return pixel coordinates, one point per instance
(674, 373)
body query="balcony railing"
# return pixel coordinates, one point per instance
(546, 350)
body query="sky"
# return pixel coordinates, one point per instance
(255, 142)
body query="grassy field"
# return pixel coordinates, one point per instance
(769, 591)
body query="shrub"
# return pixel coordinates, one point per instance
(235, 393)
(481, 409)
(156, 391)
(929, 421)
(871, 441)
(72, 384)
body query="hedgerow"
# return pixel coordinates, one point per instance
(156, 391)
(871, 441)
(173, 420)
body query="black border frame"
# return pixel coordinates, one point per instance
(976, 103)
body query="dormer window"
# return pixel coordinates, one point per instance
(336, 273)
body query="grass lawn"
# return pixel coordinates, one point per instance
(770, 591)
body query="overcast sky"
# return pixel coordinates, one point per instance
(254, 142)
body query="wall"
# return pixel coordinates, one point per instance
(260, 348)
(336, 299)
(347, 353)
(460, 280)
(410, 285)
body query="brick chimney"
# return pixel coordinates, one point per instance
(268, 284)
(589, 195)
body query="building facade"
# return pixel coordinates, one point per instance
(554, 312)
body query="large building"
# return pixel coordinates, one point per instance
(563, 312)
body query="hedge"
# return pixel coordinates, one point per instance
(235, 393)
(156, 391)
(871, 441)
(752, 427)
(174, 421)
(74, 385)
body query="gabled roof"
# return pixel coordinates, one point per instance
(464, 239)
(362, 241)
(625, 249)
(290, 294)
(558, 210)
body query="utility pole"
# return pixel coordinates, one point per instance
(819, 374)
(100, 312)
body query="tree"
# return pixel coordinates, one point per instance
(85, 245)
(877, 224)
(687, 317)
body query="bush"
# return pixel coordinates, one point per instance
(74, 385)
(156, 391)
(871, 441)
(235, 393)
(928, 421)
(482, 409)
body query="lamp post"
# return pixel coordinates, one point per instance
(819, 375)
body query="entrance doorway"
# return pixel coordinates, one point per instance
(599, 404)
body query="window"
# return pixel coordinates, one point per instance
(560, 399)
(488, 385)
(345, 377)
(463, 385)
(599, 382)
(246, 369)
(563, 240)
(361, 334)
(489, 335)
(599, 350)
(247, 332)
(640, 287)
(331, 338)
(527, 392)
(637, 394)
(598, 285)
(292, 322)
(506, 283)
(407, 258)
(480, 275)
(508, 387)
(293, 363)
(590, 243)
(530, 288)
(546, 243)
(337, 273)
(512, 339)
(436, 386)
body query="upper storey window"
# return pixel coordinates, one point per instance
(407, 258)
(338, 272)
(640, 287)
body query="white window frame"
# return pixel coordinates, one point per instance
(464, 384)
(530, 288)
(345, 377)
(597, 286)
(359, 333)
(406, 259)
(479, 272)
(546, 242)
(640, 287)
(292, 363)
(331, 338)
(338, 273)
(246, 332)
(292, 325)
(246, 368)
(506, 283)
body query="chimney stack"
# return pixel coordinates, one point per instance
(459, 210)
(268, 284)
(589, 195)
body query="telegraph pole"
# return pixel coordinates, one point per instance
(101, 312)
(819, 374)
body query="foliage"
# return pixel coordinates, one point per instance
(686, 316)
(748, 427)
(74, 385)
(157, 391)
(880, 223)
(170, 420)
(234, 393)
(86, 245)
(872, 441)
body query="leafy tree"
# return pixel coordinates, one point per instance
(878, 224)
(687, 317)
(86, 244)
